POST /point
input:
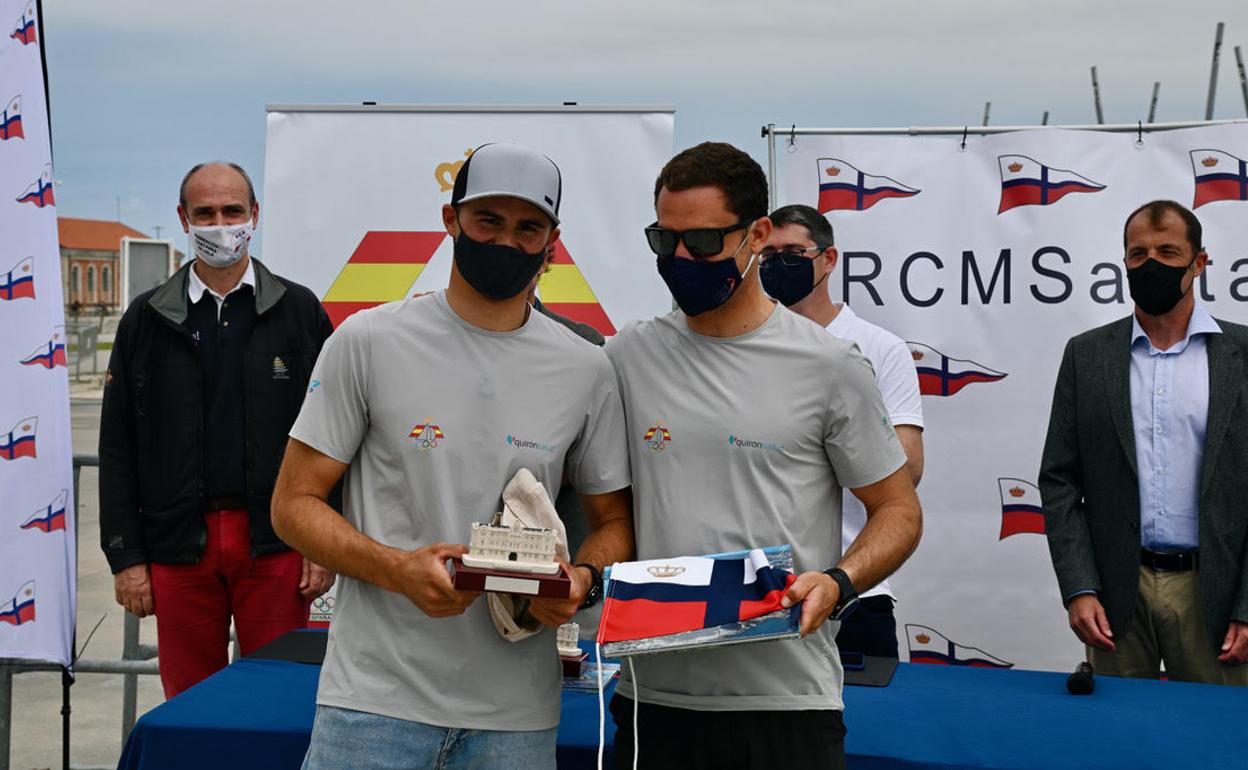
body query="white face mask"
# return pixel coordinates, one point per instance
(220, 246)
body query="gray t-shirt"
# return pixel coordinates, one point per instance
(739, 443)
(434, 417)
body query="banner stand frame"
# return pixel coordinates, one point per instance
(770, 132)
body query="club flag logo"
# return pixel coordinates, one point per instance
(657, 437)
(51, 517)
(49, 355)
(11, 120)
(20, 281)
(21, 608)
(1220, 176)
(940, 375)
(19, 441)
(671, 596)
(1021, 510)
(382, 269)
(930, 646)
(565, 291)
(24, 31)
(1027, 182)
(844, 188)
(427, 435)
(40, 191)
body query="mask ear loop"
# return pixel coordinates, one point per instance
(744, 273)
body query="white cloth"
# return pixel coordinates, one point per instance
(526, 502)
(195, 287)
(899, 386)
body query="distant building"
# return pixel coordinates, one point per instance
(90, 259)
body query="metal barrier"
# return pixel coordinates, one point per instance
(136, 659)
(82, 341)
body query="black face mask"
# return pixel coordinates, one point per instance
(494, 270)
(788, 282)
(1157, 288)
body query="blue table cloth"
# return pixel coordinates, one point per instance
(258, 714)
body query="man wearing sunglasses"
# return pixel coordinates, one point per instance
(796, 263)
(429, 406)
(755, 449)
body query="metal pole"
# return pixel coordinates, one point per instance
(1096, 97)
(960, 129)
(6, 712)
(66, 682)
(770, 131)
(1152, 105)
(987, 109)
(1243, 79)
(130, 682)
(1213, 73)
(1044, 121)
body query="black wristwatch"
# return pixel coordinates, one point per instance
(849, 595)
(594, 594)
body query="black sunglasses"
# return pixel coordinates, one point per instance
(702, 242)
(790, 257)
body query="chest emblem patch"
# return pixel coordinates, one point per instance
(658, 437)
(427, 435)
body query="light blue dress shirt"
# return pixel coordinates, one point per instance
(1169, 407)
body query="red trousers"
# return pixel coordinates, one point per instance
(194, 602)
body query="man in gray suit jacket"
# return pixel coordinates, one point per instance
(1145, 471)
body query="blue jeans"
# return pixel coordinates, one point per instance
(342, 738)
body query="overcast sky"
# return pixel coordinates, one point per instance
(142, 90)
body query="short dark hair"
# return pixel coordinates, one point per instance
(816, 224)
(1156, 211)
(719, 165)
(251, 188)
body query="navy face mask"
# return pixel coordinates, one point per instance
(788, 280)
(496, 271)
(699, 286)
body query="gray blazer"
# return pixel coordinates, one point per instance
(1090, 490)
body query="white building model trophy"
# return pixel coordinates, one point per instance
(515, 549)
(512, 560)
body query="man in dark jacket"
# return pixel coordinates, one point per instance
(207, 374)
(1143, 471)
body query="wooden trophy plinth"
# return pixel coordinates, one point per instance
(573, 665)
(556, 586)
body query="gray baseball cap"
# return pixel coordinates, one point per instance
(513, 171)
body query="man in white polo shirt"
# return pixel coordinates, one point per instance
(430, 405)
(799, 257)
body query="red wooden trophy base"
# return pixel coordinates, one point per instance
(557, 586)
(573, 665)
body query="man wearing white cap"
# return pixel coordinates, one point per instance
(415, 673)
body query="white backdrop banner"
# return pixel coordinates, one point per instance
(353, 198)
(38, 571)
(987, 258)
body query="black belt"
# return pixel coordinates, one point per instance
(1170, 561)
(225, 504)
